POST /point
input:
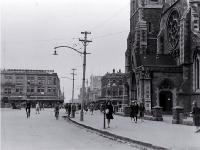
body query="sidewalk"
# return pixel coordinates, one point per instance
(163, 134)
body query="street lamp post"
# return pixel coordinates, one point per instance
(84, 53)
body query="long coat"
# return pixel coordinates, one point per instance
(109, 115)
(196, 115)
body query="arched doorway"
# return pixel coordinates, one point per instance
(166, 101)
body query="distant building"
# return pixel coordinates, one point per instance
(95, 88)
(113, 87)
(18, 85)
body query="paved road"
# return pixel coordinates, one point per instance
(43, 132)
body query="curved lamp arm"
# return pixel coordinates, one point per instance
(68, 47)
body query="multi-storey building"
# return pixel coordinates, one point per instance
(95, 88)
(163, 53)
(18, 85)
(113, 87)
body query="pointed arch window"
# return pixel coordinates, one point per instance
(197, 73)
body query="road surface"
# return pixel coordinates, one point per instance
(43, 132)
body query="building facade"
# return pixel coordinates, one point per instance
(162, 56)
(18, 85)
(113, 87)
(94, 88)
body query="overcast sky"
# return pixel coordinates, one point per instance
(32, 28)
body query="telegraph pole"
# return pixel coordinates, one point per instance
(73, 74)
(85, 42)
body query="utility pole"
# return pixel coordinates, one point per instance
(85, 42)
(73, 74)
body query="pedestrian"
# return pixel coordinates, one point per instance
(43, 106)
(109, 112)
(142, 110)
(56, 110)
(86, 108)
(73, 110)
(131, 111)
(196, 116)
(92, 108)
(66, 107)
(28, 109)
(69, 110)
(135, 111)
(37, 108)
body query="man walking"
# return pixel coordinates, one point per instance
(28, 109)
(69, 110)
(135, 111)
(73, 110)
(196, 116)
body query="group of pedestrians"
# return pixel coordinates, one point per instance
(135, 109)
(38, 108)
(70, 109)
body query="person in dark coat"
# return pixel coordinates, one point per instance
(73, 110)
(109, 112)
(142, 110)
(69, 109)
(196, 116)
(66, 107)
(28, 109)
(135, 111)
(131, 111)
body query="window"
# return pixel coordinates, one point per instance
(8, 78)
(149, 27)
(54, 81)
(40, 90)
(143, 36)
(49, 90)
(49, 80)
(7, 91)
(19, 90)
(197, 73)
(54, 90)
(30, 80)
(30, 89)
(19, 79)
(41, 80)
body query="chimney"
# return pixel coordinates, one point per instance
(113, 70)
(119, 70)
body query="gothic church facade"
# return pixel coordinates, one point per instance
(163, 53)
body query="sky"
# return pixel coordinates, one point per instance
(30, 29)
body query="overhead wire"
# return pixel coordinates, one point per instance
(110, 34)
(109, 18)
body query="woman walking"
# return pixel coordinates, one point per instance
(109, 112)
(196, 116)
(37, 107)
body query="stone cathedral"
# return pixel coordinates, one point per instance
(163, 53)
